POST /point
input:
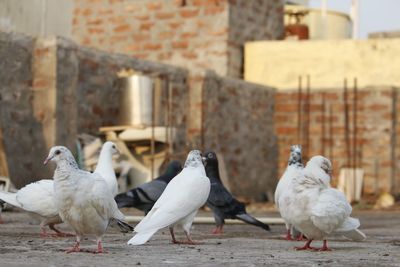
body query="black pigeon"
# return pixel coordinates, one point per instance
(144, 196)
(2, 206)
(222, 203)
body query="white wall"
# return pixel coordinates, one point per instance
(37, 17)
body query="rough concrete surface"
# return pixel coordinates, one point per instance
(241, 245)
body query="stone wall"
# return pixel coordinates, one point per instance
(23, 134)
(53, 90)
(377, 146)
(238, 123)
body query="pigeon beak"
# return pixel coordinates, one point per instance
(47, 160)
(204, 159)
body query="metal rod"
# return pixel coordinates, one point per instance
(323, 131)
(346, 123)
(166, 93)
(393, 142)
(202, 119)
(170, 119)
(299, 95)
(153, 122)
(308, 121)
(354, 154)
(211, 220)
(330, 133)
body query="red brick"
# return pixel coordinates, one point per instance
(142, 17)
(137, 37)
(122, 28)
(189, 13)
(77, 11)
(117, 19)
(94, 22)
(175, 25)
(165, 15)
(141, 55)
(115, 1)
(87, 12)
(286, 108)
(286, 130)
(180, 44)
(40, 83)
(133, 47)
(187, 35)
(95, 30)
(154, 5)
(165, 35)
(40, 52)
(378, 107)
(105, 11)
(189, 55)
(152, 46)
(145, 26)
(117, 38)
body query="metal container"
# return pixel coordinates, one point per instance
(136, 103)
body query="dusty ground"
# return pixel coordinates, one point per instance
(241, 245)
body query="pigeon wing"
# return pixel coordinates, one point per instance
(183, 195)
(330, 210)
(221, 199)
(150, 192)
(38, 197)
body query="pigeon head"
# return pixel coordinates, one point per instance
(194, 159)
(295, 155)
(321, 162)
(111, 147)
(210, 158)
(59, 153)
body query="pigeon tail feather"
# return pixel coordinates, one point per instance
(141, 238)
(251, 220)
(10, 198)
(125, 227)
(355, 235)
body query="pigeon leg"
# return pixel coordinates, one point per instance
(43, 232)
(58, 232)
(306, 246)
(171, 230)
(190, 241)
(288, 235)
(301, 237)
(75, 248)
(218, 230)
(324, 247)
(99, 246)
(1, 220)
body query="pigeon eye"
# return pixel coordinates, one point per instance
(113, 146)
(58, 152)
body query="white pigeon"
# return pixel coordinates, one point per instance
(104, 166)
(178, 204)
(318, 210)
(83, 199)
(37, 198)
(295, 166)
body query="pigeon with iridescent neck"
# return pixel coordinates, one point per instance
(83, 199)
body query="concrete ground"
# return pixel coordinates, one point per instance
(241, 245)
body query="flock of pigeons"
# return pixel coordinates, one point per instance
(89, 201)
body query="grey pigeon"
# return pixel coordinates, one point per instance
(144, 196)
(221, 201)
(83, 199)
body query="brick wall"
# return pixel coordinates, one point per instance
(195, 34)
(377, 150)
(238, 123)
